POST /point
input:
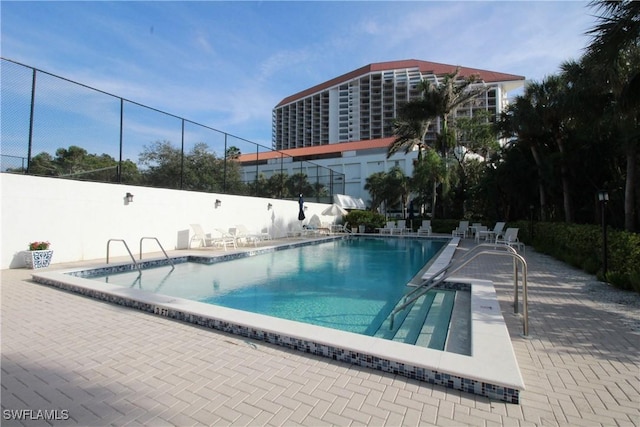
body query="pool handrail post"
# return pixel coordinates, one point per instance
(159, 244)
(127, 247)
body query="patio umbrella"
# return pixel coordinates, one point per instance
(301, 211)
(334, 210)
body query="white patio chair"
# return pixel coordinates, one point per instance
(388, 229)
(510, 238)
(402, 226)
(244, 236)
(425, 228)
(462, 230)
(200, 236)
(295, 229)
(224, 239)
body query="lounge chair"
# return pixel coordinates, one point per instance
(200, 236)
(388, 229)
(425, 228)
(402, 226)
(295, 229)
(497, 231)
(481, 231)
(244, 236)
(313, 227)
(264, 234)
(510, 238)
(340, 228)
(473, 229)
(462, 230)
(224, 239)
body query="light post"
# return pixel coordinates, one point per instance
(603, 197)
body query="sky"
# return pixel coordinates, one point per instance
(227, 64)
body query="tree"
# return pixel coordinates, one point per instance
(164, 165)
(439, 101)
(298, 183)
(232, 152)
(396, 188)
(427, 174)
(411, 127)
(76, 163)
(549, 100)
(196, 170)
(615, 52)
(476, 136)
(375, 185)
(523, 120)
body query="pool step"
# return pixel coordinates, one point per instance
(413, 315)
(432, 334)
(421, 324)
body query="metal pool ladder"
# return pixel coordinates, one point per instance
(127, 247)
(163, 251)
(135, 263)
(455, 265)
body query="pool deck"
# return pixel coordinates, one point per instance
(109, 365)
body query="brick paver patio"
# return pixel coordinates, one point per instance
(90, 363)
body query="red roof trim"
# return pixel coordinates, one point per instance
(424, 67)
(341, 147)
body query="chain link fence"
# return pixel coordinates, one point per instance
(52, 126)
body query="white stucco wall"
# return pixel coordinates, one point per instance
(78, 218)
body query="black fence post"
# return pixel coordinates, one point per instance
(33, 101)
(119, 170)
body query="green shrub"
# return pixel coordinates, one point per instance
(371, 220)
(581, 245)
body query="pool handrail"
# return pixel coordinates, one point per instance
(455, 265)
(159, 244)
(127, 247)
(452, 263)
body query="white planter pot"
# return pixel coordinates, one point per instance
(38, 259)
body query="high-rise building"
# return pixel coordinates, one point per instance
(362, 104)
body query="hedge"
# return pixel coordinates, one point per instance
(580, 245)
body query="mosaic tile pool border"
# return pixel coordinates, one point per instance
(491, 391)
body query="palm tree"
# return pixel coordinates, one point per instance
(438, 102)
(375, 185)
(549, 99)
(411, 127)
(520, 120)
(615, 52)
(397, 188)
(429, 172)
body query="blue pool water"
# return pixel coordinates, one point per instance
(350, 284)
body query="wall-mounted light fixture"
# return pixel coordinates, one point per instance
(269, 206)
(128, 198)
(218, 203)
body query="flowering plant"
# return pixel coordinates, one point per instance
(39, 246)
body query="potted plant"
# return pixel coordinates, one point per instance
(39, 255)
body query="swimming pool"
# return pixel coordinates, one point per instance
(348, 284)
(489, 370)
